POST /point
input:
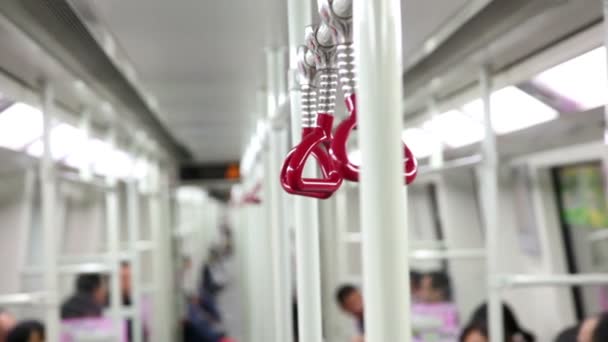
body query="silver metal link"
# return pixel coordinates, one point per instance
(346, 68)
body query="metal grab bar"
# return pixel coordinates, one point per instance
(533, 280)
(22, 298)
(451, 254)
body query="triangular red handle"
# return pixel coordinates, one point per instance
(287, 186)
(339, 153)
(317, 137)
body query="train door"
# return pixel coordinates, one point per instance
(581, 197)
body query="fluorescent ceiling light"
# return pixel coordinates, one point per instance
(20, 124)
(581, 79)
(512, 110)
(421, 142)
(65, 140)
(455, 129)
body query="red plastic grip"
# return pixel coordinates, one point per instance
(339, 153)
(313, 142)
(287, 186)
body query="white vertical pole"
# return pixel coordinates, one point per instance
(163, 322)
(158, 328)
(306, 210)
(377, 36)
(605, 2)
(133, 213)
(278, 231)
(489, 196)
(49, 236)
(113, 237)
(166, 256)
(86, 171)
(437, 156)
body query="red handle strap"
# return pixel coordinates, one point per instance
(316, 152)
(339, 153)
(294, 165)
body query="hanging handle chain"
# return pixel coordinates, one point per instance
(307, 73)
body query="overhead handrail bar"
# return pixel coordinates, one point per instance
(599, 235)
(22, 298)
(456, 253)
(452, 164)
(76, 268)
(76, 179)
(535, 280)
(337, 15)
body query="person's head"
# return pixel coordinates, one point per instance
(434, 287)
(27, 331)
(478, 326)
(350, 300)
(601, 330)
(7, 322)
(125, 278)
(476, 331)
(415, 279)
(94, 285)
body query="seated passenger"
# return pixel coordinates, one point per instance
(477, 329)
(7, 322)
(415, 281)
(27, 331)
(351, 301)
(600, 333)
(199, 328)
(89, 299)
(592, 329)
(569, 334)
(434, 287)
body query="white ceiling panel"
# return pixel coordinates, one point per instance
(204, 60)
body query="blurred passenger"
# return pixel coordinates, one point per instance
(601, 329)
(434, 287)
(213, 281)
(477, 329)
(350, 300)
(415, 280)
(587, 329)
(569, 334)
(27, 331)
(126, 293)
(7, 322)
(89, 299)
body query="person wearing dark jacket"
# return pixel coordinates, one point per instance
(89, 299)
(27, 331)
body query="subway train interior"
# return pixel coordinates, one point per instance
(303, 170)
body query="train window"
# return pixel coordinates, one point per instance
(584, 217)
(512, 110)
(20, 124)
(65, 139)
(420, 141)
(581, 80)
(455, 129)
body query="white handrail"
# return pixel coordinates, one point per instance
(22, 298)
(535, 280)
(460, 253)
